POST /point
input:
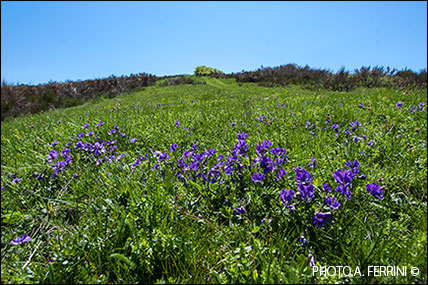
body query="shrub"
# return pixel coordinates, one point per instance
(205, 71)
(179, 80)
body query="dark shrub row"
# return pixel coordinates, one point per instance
(22, 99)
(340, 81)
(179, 80)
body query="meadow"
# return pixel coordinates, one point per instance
(217, 183)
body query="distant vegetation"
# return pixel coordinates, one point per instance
(179, 80)
(340, 81)
(23, 99)
(206, 71)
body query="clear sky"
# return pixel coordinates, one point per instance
(43, 41)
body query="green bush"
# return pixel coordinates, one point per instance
(204, 71)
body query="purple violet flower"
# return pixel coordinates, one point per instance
(20, 240)
(257, 177)
(302, 240)
(240, 210)
(16, 180)
(332, 202)
(286, 196)
(320, 218)
(173, 148)
(375, 190)
(326, 187)
(312, 262)
(306, 191)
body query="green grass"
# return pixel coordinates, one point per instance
(111, 223)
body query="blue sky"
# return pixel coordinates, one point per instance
(43, 41)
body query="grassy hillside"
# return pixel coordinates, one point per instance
(191, 184)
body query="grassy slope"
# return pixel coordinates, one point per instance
(117, 224)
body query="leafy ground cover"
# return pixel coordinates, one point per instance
(217, 183)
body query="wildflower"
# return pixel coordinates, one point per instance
(335, 127)
(100, 160)
(54, 143)
(326, 187)
(100, 124)
(356, 138)
(320, 218)
(332, 202)
(286, 196)
(399, 104)
(306, 191)
(312, 163)
(281, 173)
(312, 262)
(163, 156)
(133, 140)
(65, 152)
(240, 210)
(375, 190)
(177, 123)
(257, 177)
(302, 240)
(362, 176)
(303, 176)
(90, 133)
(353, 166)
(20, 240)
(16, 180)
(344, 190)
(52, 155)
(173, 148)
(263, 146)
(242, 136)
(39, 177)
(80, 135)
(79, 144)
(84, 126)
(371, 143)
(343, 177)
